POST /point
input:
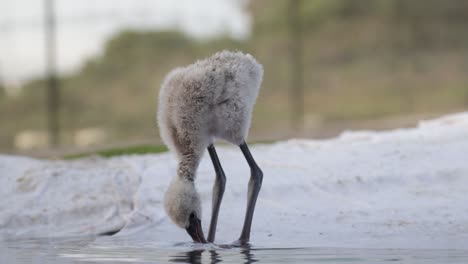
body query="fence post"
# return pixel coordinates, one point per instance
(296, 66)
(53, 93)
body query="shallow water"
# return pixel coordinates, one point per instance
(90, 250)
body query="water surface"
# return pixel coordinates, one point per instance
(90, 250)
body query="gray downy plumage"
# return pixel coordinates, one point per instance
(212, 98)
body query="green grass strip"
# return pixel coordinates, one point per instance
(140, 149)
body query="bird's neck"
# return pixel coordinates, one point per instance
(188, 166)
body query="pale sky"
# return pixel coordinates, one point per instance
(85, 25)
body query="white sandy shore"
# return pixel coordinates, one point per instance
(405, 188)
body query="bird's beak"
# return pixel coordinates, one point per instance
(195, 230)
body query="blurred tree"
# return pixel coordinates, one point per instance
(346, 75)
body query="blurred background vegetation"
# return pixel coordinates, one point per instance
(365, 64)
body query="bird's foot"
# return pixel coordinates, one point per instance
(243, 243)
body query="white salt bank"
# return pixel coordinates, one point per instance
(405, 188)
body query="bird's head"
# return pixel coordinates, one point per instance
(183, 206)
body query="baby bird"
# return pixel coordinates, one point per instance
(212, 98)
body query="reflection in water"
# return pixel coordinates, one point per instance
(215, 257)
(249, 257)
(195, 256)
(114, 251)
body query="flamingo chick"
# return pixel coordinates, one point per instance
(212, 98)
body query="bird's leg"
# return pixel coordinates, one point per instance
(255, 183)
(218, 191)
